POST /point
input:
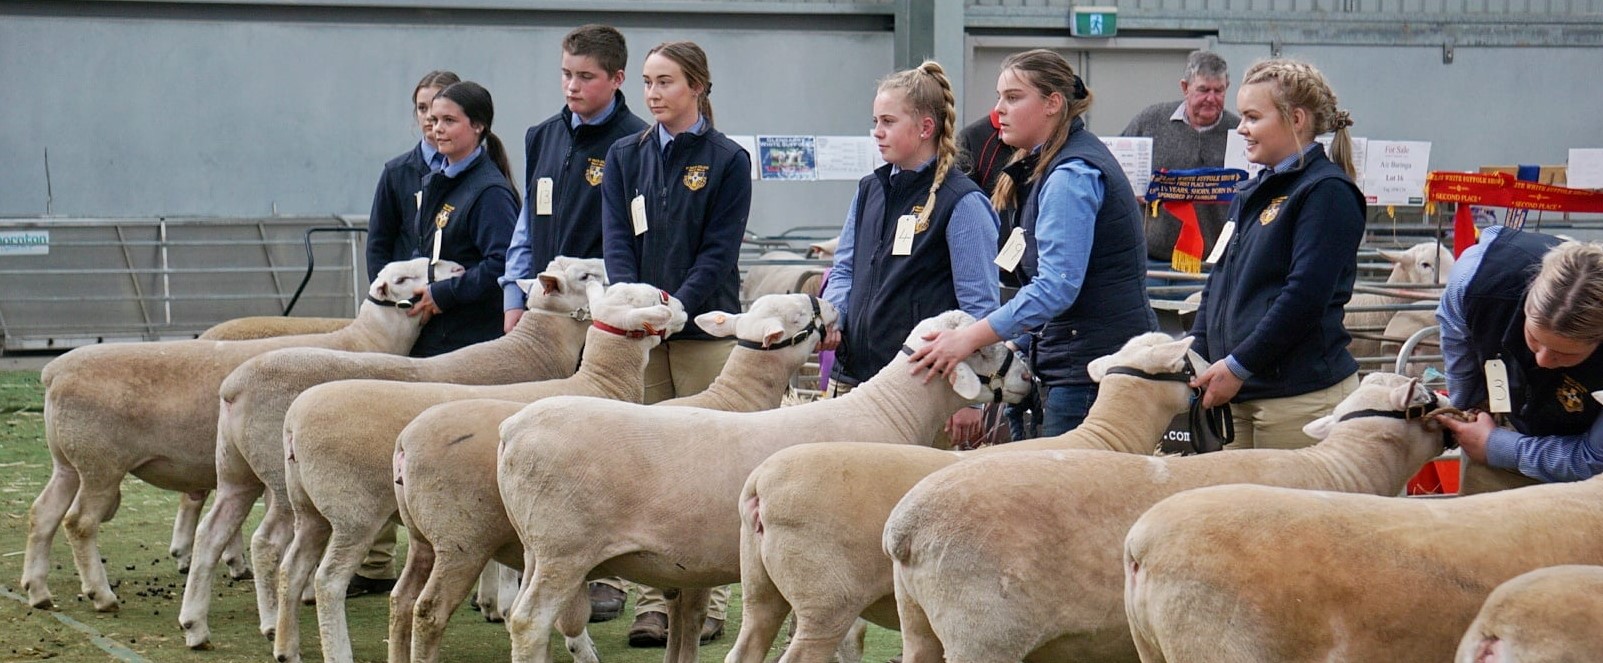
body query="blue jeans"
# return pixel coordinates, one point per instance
(1066, 407)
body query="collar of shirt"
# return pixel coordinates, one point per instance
(454, 169)
(663, 136)
(1180, 116)
(575, 120)
(1291, 161)
(897, 169)
(431, 156)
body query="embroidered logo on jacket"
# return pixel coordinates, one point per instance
(593, 173)
(695, 177)
(1571, 395)
(444, 216)
(1273, 210)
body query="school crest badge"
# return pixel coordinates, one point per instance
(1571, 395)
(695, 177)
(593, 173)
(444, 216)
(1273, 210)
(923, 223)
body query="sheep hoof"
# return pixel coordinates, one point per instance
(242, 574)
(43, 603)
(203, 645)
(110, 606)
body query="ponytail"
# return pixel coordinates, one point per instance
(498, 154)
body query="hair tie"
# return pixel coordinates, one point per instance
(1343, 120)
(1079, 88)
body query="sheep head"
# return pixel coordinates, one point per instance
(1012, 384)
(825, 249)
(564, 285)
(1425, 262)
(1152, 352)
(772, 319)
(400, 279)
(1388, 392)
(636, 306)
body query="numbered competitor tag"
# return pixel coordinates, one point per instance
(637, 213)
(418, 197)
(1224, 240)
(435, 259)
(1012, 252)
(542, 196)
(906, 228)
(1497, 387)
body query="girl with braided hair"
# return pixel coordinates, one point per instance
(1083, 260)
(883, 287)
(1271, 311)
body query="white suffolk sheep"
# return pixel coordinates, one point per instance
(1304, 576)
(1421, 264)
(812, 516)
(250, 427)
(450, 459)
(340, 439)
(1549, 615)
(672, 521)
(1017, 555)
(268, 326)
(150, 409)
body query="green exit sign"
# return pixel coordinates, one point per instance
(1095, 22)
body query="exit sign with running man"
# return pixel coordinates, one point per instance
(1094, 21)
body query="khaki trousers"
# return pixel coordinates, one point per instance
(677, 369)
(379, 563)
(1276, 423)
(683, 368)
(1476, 478)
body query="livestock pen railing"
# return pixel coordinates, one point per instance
(71, 282)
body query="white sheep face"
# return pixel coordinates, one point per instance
(1378, 391)
(564, 285)
(1153, 352)
(965, 378)
(1425, 262)
(633, 306)
(771, 319)
(399, 280)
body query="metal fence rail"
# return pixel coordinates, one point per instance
(133, 279)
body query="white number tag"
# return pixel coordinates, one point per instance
(1012, 252)
(1224, 240)
(637, 213)
(906, 227)
(542, 196)
(1497, 386)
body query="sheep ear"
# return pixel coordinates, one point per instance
(773, 333)
(1319, 429)
(1098, 368)
(1597, 396)
(1394, 257)
(655, 317)
(380, 290)
(551, 284)
(526, 285)
(1173, 353)
(718, 323)
(964, 381)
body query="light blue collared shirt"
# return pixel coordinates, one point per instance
(1065, 225)
(454, 169)
(970, 239)
(1547, 458)
(663, 136)
(431, 155)
(575, 121)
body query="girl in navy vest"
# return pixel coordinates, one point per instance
(395, 201)
(1271, 311)
(468, 210)
(1545, 332)
(674, 204)
(1084, 256)
(882, 291)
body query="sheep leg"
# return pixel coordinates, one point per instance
(266, 553)
(506, 590)
(403, 598)
(234, 558)
(43, 520)
(449, 583)
(919, 643)
(343, 557)
(762, 608)
(686, 612)
(573, 623)
(96, 503)
(487, 599)
(221, 523)
(850, 649)
(189, 507)
(300, 559)
(819, 633)
(547, 589)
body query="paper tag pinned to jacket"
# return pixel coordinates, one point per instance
(637, 213)
(542, 196)
(417, 197)
(1012, 252)
(1219, 245)
(906, 228)
(1497, 396)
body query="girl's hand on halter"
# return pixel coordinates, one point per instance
(831, 339)
(946, 348)
(1471, 435)
(425, 305)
